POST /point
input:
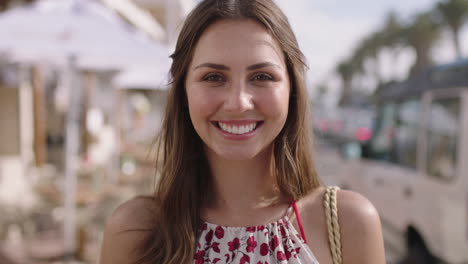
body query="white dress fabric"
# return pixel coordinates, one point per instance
(277, 242)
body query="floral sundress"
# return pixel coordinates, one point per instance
(277, 242)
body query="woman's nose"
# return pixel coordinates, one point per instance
(238, 99)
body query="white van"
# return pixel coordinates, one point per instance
(417, 171)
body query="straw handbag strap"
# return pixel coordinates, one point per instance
(331, 213)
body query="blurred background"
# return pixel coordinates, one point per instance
(83, 86)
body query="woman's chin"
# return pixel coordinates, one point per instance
(237, 154)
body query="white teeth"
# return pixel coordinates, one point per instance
(238, 130)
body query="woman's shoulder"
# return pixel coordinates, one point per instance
(358, 220)
(135, 214)
(350, 205)
(126, 229)
(353, 205)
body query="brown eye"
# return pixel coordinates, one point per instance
(213, 77)
(262, 77)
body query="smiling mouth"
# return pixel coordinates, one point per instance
(238, 129)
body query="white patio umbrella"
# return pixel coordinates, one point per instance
(51, 30)
(76, 34)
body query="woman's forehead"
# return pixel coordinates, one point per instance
(237, 39)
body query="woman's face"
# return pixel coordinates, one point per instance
(238, 89)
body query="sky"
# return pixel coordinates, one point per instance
(328, 30)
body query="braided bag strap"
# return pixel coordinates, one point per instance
(331, 214)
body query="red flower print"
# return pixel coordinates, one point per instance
(209, 237)
(251, 229)
(261, 244)
(251, 244)
(219, 232)
(215, 247)
(283, 231)
(274, 243)
(233, 245)
(199, 257)
(204, 227)
(280, 255)
(264, 249)
(244, 259)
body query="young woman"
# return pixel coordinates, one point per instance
(236, 155)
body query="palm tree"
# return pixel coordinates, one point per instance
(393, 38)
(391, 31)
(346, 71)
(367, 51)
(421, 35)
(454, 13)
(388, 37)
(372, 46)
(322, 90)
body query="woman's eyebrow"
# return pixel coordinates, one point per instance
(213, 65)
(222, 67)
(262, 65)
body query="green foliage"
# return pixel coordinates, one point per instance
(424, 30)
(392, 31)
(454, 13)
(345, 70)
(390, 36)
(419, 33)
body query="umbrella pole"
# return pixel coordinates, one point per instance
(40, 151)
(71, 160)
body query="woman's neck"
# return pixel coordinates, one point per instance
(243, 186)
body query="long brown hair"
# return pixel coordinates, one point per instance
(182, 165)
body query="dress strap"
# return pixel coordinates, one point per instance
(299, 222)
